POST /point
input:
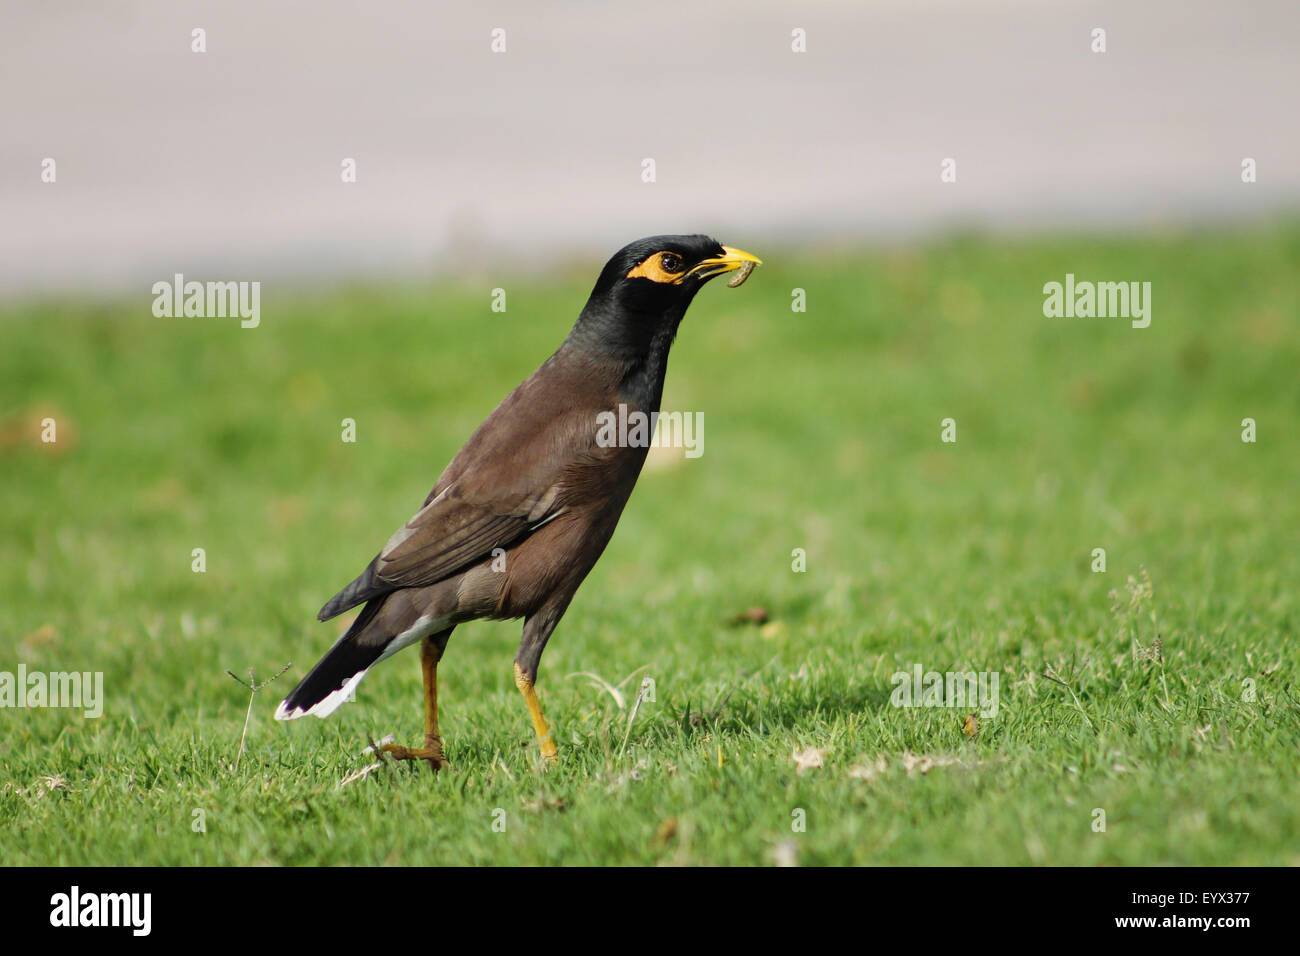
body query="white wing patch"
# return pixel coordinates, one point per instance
(408, 529)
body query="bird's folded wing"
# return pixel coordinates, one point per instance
(453, 531)
(509, 479)
(448, 534)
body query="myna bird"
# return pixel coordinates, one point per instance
(525, 509)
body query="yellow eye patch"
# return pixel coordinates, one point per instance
(656, 269)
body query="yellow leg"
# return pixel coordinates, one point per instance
(549, 753)
(429, 657)
(430, 654)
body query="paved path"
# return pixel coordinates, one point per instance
(226, 164)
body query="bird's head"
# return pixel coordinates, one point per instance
(644, 290)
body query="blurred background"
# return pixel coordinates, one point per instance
(227, 163)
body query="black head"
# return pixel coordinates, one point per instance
(644, 290)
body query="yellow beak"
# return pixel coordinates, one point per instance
(730, 260)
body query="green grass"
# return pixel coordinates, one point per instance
(822, 432)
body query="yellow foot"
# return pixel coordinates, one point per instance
(430, 752)
(525, 684)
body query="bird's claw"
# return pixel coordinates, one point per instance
(431, 752)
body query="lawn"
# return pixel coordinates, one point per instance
(1157, 697)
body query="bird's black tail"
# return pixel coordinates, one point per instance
(336, 675)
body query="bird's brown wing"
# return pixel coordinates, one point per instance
(456, 529)
(508, 480)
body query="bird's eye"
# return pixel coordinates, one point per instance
(670, 262)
